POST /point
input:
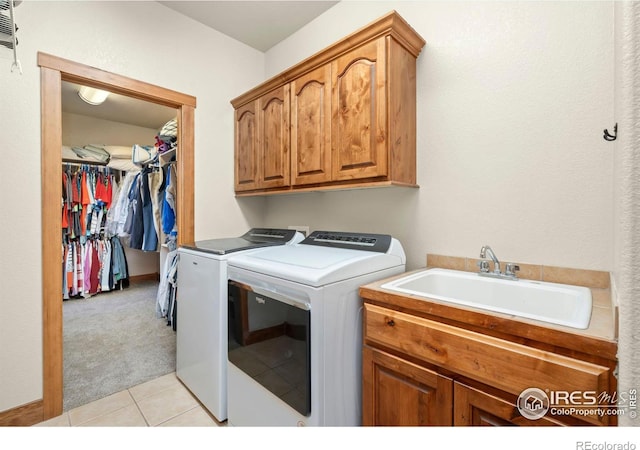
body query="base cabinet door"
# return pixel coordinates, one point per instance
(473, 407)
(399, 393)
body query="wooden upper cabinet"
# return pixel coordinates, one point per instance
(246, 148)
(273, 138)
(311, 127)
(343, 117)
(262, 142)
(359, 123)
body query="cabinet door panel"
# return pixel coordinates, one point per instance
(359, 120)
(399, 393)
(311, 127)
(477, 408)
(273, 138)
(246, 157)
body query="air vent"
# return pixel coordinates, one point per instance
(9, 29)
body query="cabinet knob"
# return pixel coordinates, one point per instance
(390, 322)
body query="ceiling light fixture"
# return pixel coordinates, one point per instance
(92, 96)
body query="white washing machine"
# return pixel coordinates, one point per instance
(201, 335)
(295, 328)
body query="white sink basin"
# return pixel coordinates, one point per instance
(559, 304)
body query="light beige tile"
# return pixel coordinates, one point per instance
(527, 271)
(578, 277)
(129, 416)
(196, 417)
(602, 323)
(166, 404)
(601, 298)
(154, 386)
(472, 265)
(445, 262)
(60, 421)
(100, 407)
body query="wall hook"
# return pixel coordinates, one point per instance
(609, 137)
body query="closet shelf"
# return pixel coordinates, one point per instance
(167, 157)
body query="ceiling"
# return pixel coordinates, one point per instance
(259, 24)
(117, 108)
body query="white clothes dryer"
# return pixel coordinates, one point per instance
(295, 328)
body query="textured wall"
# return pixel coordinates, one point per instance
(512, 98)
(627, 217)
(142, 40)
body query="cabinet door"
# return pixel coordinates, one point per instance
(359, 120)
(273, 138)
(474, 407)
(246, 149)
(311, 127)
(397, 392)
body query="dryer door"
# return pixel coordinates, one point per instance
(270, 341)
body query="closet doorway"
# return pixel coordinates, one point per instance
(53, 72)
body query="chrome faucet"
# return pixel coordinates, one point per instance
(510, 271)
(483, 254)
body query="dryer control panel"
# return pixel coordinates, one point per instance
(355, 241)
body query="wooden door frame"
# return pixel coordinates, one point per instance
(53, 71)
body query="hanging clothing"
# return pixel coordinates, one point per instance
(90, 264)
(156, 188)
(169, 206)
(119, 261)
(149, 238)
(137, 224)
(167, 283)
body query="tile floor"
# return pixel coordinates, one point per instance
(163, 402)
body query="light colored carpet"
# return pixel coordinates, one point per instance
(114, 341)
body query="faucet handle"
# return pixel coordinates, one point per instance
(511, 269)
(483, 264)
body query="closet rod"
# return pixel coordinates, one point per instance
(80, 164)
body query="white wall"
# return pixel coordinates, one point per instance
(512, 99)
(79, 130)
(142, 40)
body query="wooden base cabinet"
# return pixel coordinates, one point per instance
(396, 392)
(421, 371)
(400, 393)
